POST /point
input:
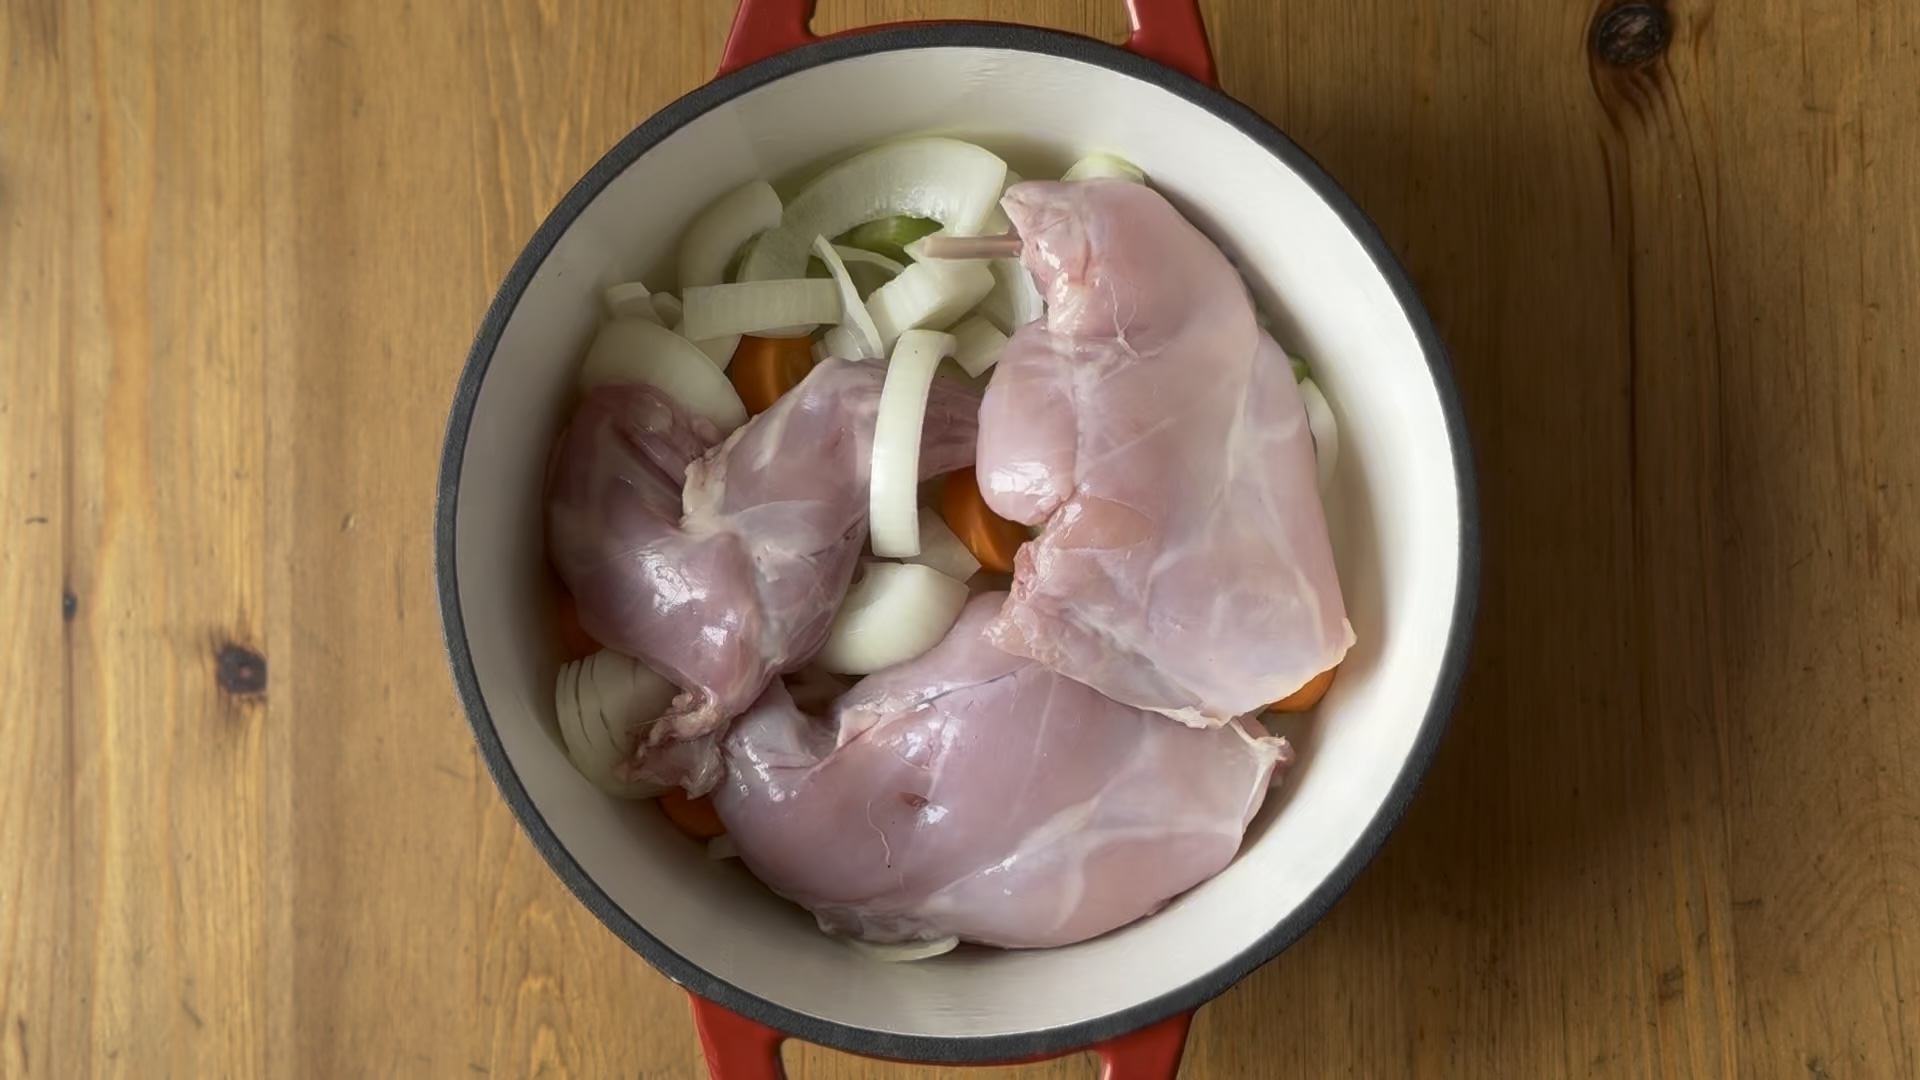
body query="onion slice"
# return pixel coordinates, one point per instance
(1014, 300)
(755, 307)
(893, 614)
(1105, 167)
(977, 344)
(605, 703)
(894, 483)
(637, 351)
(855, 255)
(854, 319)
(631, 300)
(955, 183)
(720, 350)
(900, 952)
(719, 231)
(941, 550)
(1326, 433)
(928, 295)
(667, 307)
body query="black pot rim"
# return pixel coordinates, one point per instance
(845, 1037)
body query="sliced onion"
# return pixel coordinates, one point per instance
(950, 369)
(998, 221)
(727, 223)
(1326, 433)
(1105, 167)
(756, 307)
(637, 351)
(901, 952)
(631, 300)
(841, 342)
(977, 344)
(929, 295)
(722, 847)
(861, 256)
(893, 614)
(720, 350)
(952, 182)
(1014, 300)
(894, 509)
(604, 703)
(941, 550)
(868, 269)
(667, 307)
(854, 319)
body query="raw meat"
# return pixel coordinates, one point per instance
(974, 794)
(723, 585)
(1184, 565)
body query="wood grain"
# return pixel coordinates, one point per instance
(1674, 831)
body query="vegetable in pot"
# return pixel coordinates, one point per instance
(894, 514)
(893, 614)
(949, 181)
(639, 351)
(991, 538)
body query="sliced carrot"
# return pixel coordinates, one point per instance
(764, 368)
(574, 639)
(991, 538)
(1307, 696)
(695, 817)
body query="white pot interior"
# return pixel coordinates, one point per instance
(1395, 516)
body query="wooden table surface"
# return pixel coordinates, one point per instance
(1674, 831)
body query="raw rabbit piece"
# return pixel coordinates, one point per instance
(1184, 565)
(725, 584)
(974, 794)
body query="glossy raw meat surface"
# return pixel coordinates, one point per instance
(1184, 566)
(723, 585)
(974, 794)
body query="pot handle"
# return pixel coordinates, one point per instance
(1169, 32)
(741, 1049)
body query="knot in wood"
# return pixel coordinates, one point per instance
(1631, 34)
(240, 670)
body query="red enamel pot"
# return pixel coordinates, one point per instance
(1402, 515)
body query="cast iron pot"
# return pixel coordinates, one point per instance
(1402, 515)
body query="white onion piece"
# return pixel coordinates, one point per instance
(893, 614)
(722, 847)
(843, 343)
(977, 344)
(950, 369)
(941, 550)
(637, 351)
(854, 318)
(720, 350)
(949, 181)
(861, 256)
(719, 231)
(667, 307)
(929, 295)
(1105, 167)
(631, 300)
(605, 702)
(1014, 300)
(756, 307)
(998, 221)
(902, 952)
(894, 484)
(1326, 433)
